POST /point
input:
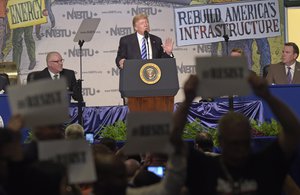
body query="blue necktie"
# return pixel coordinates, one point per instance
(144, 50)
(289, 75)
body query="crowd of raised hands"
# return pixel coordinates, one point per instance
(186, 171)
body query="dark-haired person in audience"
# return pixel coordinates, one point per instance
(288, 70)
(109, 143)
(204, 143)
(145, 178)
(238, 171)
(47, 178)
(155, 159)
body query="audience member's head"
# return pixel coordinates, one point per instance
(101, 149)
(110, 143)
(234, 138)
(290, 53)
(132, 166)
(145, 178)
(155, 159)
(235, 52)
(47, 178)
(48, 132)
(74, 131)
(111, 173)
(204, 142)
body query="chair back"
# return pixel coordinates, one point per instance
(265, 71)
(31, 76)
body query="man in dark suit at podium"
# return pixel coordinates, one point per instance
(55, 70)
(288, 70)
(141, 44)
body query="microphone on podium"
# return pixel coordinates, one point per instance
(146, 34)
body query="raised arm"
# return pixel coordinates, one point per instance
(180, 116)
(289, 138)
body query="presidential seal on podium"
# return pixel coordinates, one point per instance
(150, 73)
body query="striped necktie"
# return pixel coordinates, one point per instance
(289, 75)
(144, 49)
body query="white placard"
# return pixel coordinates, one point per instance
(148, 132)
(43, 102)
(209, 23)
(75, 154)
(222, 76)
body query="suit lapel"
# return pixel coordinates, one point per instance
(153, 46)
(282, 78)
(62, 73)
(136, 46)
(46, 73)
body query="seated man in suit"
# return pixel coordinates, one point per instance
(4, 82)
(288, 70)
(55, 70)
(134, 46)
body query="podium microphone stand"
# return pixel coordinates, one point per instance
(230, 97)
(226, 39)
(84, 34)
(79, 84)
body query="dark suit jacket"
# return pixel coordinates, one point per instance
(66, 73)
(4, 82)
(129, 48)
(277, 75)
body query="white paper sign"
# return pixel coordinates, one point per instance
(222, 76)
(148, 132)
(243, 20)
(75, 154)
(43, 102)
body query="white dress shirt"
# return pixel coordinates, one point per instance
(52, 75)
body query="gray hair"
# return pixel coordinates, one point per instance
(74, 131)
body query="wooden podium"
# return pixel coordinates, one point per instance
(149, 85)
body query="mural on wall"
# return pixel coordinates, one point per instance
(28, 46)
(259, 51)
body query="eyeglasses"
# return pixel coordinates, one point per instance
(62, 60)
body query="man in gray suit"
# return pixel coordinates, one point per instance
(288, 70)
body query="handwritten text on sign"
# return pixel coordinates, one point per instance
(38, 104)
(148, 132)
